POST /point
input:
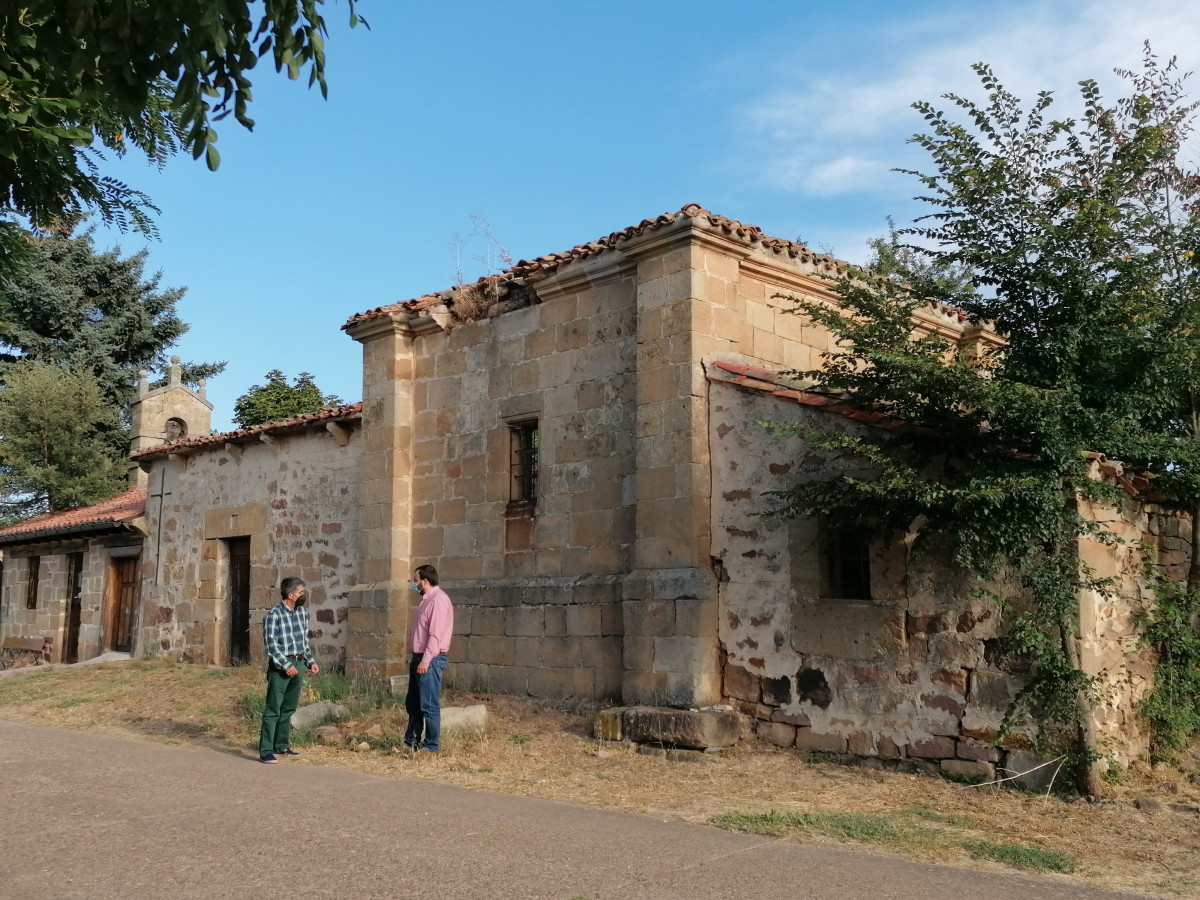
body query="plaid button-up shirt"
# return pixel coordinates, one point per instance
(285, 633)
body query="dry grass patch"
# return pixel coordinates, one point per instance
(541, 749)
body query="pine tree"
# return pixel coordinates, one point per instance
(71, 306)
(56, 450)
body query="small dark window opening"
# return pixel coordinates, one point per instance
(31, 589)
(523, 462)
(848, 558)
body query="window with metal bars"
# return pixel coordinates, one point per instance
(523, 461)
(31, 587)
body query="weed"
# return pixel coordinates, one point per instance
(1115, 773)
(519, 739)
(209, 710)
(871, 829)
(1021, 857)
(930, 815)
(253, 705)
(303, 737)
(68, 702)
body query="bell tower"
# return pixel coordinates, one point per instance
(166, 414)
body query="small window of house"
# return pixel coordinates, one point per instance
(523, 461)
(31, 587)
(847, 567)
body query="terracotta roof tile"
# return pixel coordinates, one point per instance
(531, 268)
(777, 385)
(346, 413)
(121, 509)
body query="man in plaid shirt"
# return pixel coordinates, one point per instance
(285, 636)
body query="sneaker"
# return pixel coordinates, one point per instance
(289, 752)
(268, 758)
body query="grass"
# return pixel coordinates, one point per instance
(1021, 857)
(545, 749)
(898, 832)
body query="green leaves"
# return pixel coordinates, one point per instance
(278, 400)
(152, 76)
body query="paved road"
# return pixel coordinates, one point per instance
(85, 815)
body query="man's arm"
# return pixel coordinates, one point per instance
(271, 634)
(309, 659)
(440, 625)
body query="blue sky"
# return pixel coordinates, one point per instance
(557, 123)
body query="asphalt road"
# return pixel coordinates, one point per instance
(85, 815)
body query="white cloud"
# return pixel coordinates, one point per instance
(821, 132)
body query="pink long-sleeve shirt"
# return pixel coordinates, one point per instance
(433, 626)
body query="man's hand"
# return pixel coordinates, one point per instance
(422, 667)
(290, 671)
(314, 669)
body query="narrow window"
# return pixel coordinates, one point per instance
(848, 567)
(523, 463)
(31, 588)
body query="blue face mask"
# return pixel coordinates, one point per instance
(416, 588)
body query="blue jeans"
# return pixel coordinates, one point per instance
(424, 703)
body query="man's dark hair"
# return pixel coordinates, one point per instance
(429, 573)
(288, 585)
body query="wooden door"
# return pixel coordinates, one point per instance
(75, 609)
(239, 600)
(123, 592)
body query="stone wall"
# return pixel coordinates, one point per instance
(906, 675)
(537, 586)
(294, 495)
(50, 617)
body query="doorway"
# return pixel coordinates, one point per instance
(123, 584)
(75, 607)
(239, 599)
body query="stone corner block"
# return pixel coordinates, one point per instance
(317, 713)
(697, 729)
(606, 724)
(461, 719)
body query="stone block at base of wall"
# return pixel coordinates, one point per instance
(606, 724)
(968, 770)
(698, 729)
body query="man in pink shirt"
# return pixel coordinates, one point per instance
(429, 643)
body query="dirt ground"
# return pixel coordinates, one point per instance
(545, 750)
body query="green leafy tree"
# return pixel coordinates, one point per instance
(81, 77)
(279, 400)
(74, 307)
(56, 449)
(1064, 230)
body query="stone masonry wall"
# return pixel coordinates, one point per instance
(50, 617)
(537, 587)
(296, 498)
(906, 675)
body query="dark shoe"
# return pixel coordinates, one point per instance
(289, 752)
(268, 758)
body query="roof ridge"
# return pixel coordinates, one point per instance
(551, 261)
(333, 413)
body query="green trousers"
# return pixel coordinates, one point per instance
(283, 696)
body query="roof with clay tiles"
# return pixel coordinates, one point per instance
(777, 385)
(350, 412)
(115, 513)
(531, 269)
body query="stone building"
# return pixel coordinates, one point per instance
(230, 515)
(574, 444)
(75, 576)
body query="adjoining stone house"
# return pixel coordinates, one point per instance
(188, 559)
(74, 576)
(574, 444)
